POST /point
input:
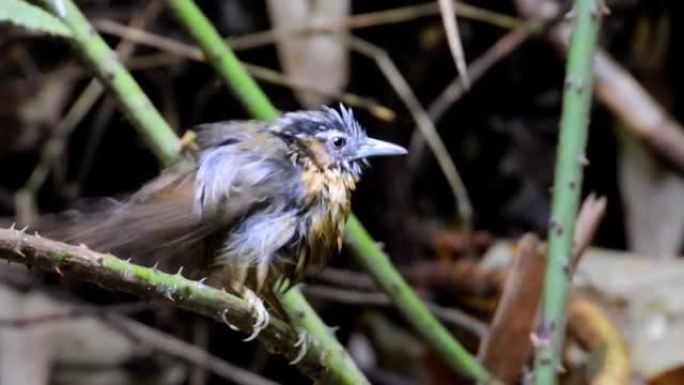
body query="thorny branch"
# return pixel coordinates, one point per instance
(619, 91)
(110, 273)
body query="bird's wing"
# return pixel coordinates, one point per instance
(241, 170)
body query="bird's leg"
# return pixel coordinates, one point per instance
(258, 308)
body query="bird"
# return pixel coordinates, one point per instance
(263, 202)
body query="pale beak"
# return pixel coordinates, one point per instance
(375, 147)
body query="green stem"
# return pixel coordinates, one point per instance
(112, 273)
(390, 281)
(570, 160)
(371, 256)
(305, 316)
(324, 348)
(138, 107)
(222, 58)
(342, 369)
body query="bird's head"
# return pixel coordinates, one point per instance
(331, 138)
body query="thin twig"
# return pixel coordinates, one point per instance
(182, 350)
(377, 18)
(188, 51)
(456, 89)
(411, 307)
(446, 8)
(591, 214)
(494, 54)
(386, 66)
(643, 116)
(451, 316)
(425, 126)
(74, 311)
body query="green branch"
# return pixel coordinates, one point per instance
(138, 107)
(334, 365)
(223, 59)
(379, 266)
(113, 273)
(570, 159)
(369, 254)
(233, 73)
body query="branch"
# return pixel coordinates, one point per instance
(182, 350)
(140, 110)
(570, 159)
(113, 273)
(222, 58)
(643, 116)
(224, 61)
(332, 365)
(408, 303)
(371, 256)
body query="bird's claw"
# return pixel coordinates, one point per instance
(262, 316)
(302, 343)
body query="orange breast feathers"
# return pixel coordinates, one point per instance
(328, 192)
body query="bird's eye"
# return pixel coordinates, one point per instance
(339, 142)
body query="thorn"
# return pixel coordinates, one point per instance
(568, 268)
(128, 260)
(35, 234)
(573, 83)
(600, 8)
(582, 160)
(538, 340)
(542, 335)
(23, 231)
(555, 226)
(13, 227)
(168, 295)
(58, 271)
(202, 280)
(60, 8)
(571, 13)
(17, 247)
(155, 268)
(180, 271)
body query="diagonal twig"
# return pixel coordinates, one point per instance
(424, 124)
(454, 39)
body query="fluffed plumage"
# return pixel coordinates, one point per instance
(265, 201)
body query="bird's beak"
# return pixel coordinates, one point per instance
(375, 147)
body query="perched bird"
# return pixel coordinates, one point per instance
(264, 201)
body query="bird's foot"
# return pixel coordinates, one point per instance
(303, 342)
(259, 310)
